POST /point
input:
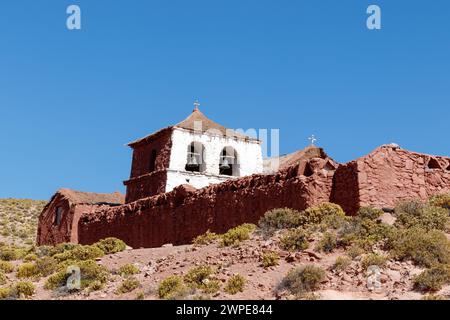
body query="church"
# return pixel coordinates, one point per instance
(197, 151)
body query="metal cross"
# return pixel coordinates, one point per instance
(312, 139)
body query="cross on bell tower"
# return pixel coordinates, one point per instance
(196, 105)
(312, 139)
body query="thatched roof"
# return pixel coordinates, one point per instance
(79, 197)
(198, 122)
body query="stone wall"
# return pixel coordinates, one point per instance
(179, 216)
(389, 175)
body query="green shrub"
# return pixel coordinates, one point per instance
(27, 270)
(128, 270)
(90, 271)
(303, 279)
(11, 254)
(373, 259)
(281, 218)
(294, 240)
(440, 200)
(424, 248)
(128, 285)
(420, 215)
(197, 275)
(206, 238)
(235, 284)
(238, 234)
(80, 253)
(6, 267)
(315, 215)
(5, 293)
(270, 259)
(59, 248)
(140, 295)
(369, 213)
(364, 232)
(171, 288)
(432, 279)
(30, 257)
(354, 251)
(111, 245)
(327, 243)
(46, 265)
(433, 297)
(341, 263)
(23, 289)
(2, 278)
(96, 285)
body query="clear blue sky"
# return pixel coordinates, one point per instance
(71, 100)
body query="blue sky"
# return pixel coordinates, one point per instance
(71, 100)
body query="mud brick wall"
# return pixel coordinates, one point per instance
(345, 191)
(179, 216)
(389, 175)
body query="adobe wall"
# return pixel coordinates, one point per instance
(143, 182)
(345, 191)
(179, 216)
(389, 175)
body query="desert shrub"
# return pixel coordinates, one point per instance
(424, 248)
(27, 270)
(59, 248)
(341, 263)
(128, 285)
(90, 271)
(5, 293)
(433, 297)
(333, 221)
(281, 218)
(440, 200)
(23, 289)
(235, 284)
(11, 254)
(294, 239)
(303, 279)
(2, 278)
(30, 257)
(235, 236)
(80, 253)
(46, 265)
(373, 259)
(171, 288)
(354, 251)
(364, 232)
(269, 259)
(195, 276)
(111, 245)
(315, 215)
(140, 295)
(421, 215)
(432, 279)
(6, 267)
(369, 213)
(96, 285)
(128, 270)
(327, 243)
(206, 238)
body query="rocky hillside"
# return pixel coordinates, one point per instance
(315, 254)
(18, 220)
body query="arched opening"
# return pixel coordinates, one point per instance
(195, 157)
(433, 164)
(229, 164)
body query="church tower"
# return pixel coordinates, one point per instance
(196, 151)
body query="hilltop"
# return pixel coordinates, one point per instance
(18, 220)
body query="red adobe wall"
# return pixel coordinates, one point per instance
(389, 175)
(179, 216)
(143, 182)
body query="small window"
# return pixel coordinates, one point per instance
(58, 215)
(152, 161)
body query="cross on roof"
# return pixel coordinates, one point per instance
(312, 139)
(196, 105)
